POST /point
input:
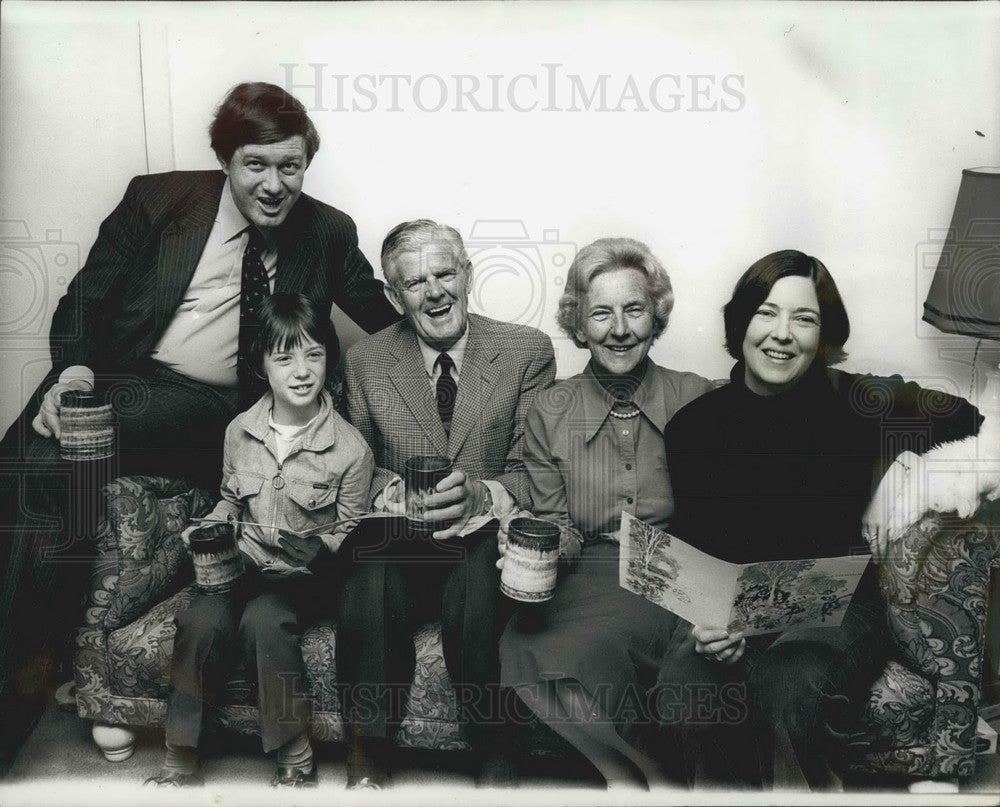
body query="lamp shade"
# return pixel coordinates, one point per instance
(965, 293)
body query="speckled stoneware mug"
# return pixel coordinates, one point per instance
(218, 564)
(531, 560)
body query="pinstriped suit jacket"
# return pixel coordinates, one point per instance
(389, 400)
(123, 298)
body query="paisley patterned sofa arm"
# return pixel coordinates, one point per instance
(141, 557)
(936, 589)
(935, 585)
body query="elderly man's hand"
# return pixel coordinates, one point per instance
(46, 422)
(456, 500)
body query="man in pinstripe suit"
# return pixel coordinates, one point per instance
(456, 384)
(153, 318)
(154, 312)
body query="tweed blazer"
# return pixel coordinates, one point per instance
(118, 305)
(389, 400)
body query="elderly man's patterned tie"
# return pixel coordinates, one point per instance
(254, 289)
(447, 390)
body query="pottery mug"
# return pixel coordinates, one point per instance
(531, 560)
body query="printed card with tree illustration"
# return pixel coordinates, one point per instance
(756, 598)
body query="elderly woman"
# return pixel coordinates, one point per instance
(781, 464)
(593, 448)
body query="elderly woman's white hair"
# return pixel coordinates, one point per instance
(605, 255)
(427, 238)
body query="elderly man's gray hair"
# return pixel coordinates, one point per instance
(429, 239)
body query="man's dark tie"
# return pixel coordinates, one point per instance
(254, 290)
(447, 389)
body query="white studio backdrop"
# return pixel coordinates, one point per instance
(713, 132)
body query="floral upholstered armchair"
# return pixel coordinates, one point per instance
(919, 719)
(143, 576)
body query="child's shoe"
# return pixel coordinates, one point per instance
(181, 768)
(290, 776)
(176, 779)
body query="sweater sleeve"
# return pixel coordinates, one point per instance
(922, 418)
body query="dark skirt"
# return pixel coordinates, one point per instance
(592, 631)
(778, 716)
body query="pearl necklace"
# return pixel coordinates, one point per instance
(627, 415)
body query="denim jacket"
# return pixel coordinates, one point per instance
(324, 478)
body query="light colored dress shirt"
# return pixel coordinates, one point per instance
(586, 466)
(431, 355)
(202, 339)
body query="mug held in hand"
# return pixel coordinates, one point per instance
(422, 473)
(218, 563)
(86, 425)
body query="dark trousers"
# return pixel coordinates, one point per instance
(777, 717)
(167, 425)
(398, 582)
(260, 622)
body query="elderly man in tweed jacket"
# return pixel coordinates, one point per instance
(444, 382)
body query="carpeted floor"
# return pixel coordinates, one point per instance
(59, 764)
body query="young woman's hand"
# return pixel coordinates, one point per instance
(719, 644)
(897, 504)
(951, 478)
(298, 550)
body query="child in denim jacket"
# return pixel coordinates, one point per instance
(293, 464)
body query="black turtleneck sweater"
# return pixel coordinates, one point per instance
(789, 476)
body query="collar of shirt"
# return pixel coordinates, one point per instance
(232, 223)
(648, 397)
(318, 435)
(286, 431)
(456, 351)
